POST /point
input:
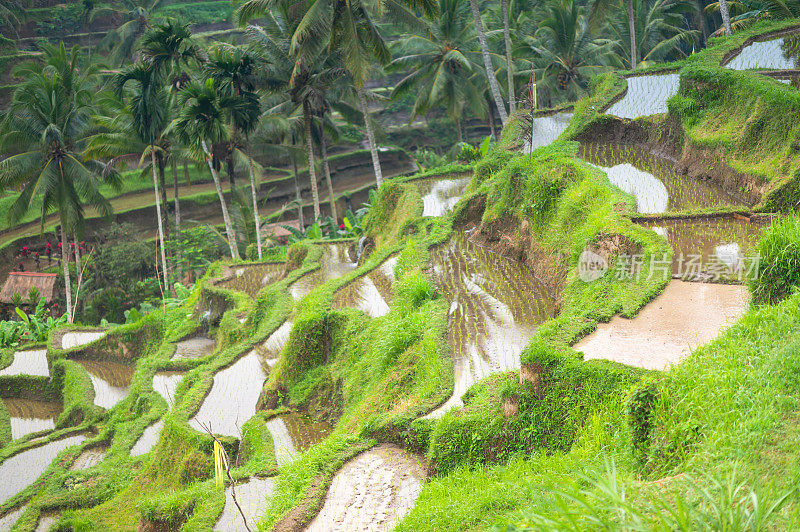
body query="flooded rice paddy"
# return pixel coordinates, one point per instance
(646, 95)
(28, 363)
(546, 129)
(370, 293)
(685, 316)
(652, 181)
(47, 520)
(165, 383)
(253, 496)
(373, 491)
(75, 339)
(233, 396)
(89, 458)
(252, 278)
(148, 439)
(274, 344)
(711, 249)
(111, 381)
(441, 195)
(21, 470)
(8, 520)
(337, 260)
(30, 415)
(776, 54)
(294, 433)
(196, 347)
(495, 306)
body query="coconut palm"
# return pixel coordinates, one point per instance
(661, 27)
(487, 62)
(137, 16)
(169, 49)
(307, 87)
(512, 104)
(201, 125)
(748, 12)
(564, 53)
(347, 28)
(441, 64)
(45, 128)
(148, 102)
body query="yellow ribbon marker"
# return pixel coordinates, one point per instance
(219, 458)
(535, 104)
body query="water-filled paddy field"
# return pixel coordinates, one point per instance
(782, 53)
(546, 129)
(653, 181)
(646, 95)
(495, 305)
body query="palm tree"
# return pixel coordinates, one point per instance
(149, 109)
(137, 16)
(201, 121)
(726, 17)
(565, 54)
(169, 48)
(487, 62)
(45, 127)
(441, 64)
(346, 27)
(661, 30)
(512, 104)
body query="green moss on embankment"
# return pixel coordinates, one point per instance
(5, 425)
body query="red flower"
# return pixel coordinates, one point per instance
(341, 226)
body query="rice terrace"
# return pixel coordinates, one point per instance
(424, 265)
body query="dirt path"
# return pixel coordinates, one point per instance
(373, 491)
(685, 316)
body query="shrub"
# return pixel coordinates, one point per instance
(779, 270)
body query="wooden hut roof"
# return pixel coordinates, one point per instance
(277, 231)
(22, 282)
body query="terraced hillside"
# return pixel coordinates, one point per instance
(568, 334)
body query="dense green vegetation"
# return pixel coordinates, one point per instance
(551, 441)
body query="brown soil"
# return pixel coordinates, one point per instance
(514, 241)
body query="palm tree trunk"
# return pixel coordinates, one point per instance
(726, 17)
(458, 128)
(312, 171)
(298, 196)
(176, 192)
(512, 97)
(487, 62)
(324, 149)
(255, 203)
(229, 231)
(158, 215)
(373, 148)
(65, 266)
(632, 30)
(163, 184)
(79, 275)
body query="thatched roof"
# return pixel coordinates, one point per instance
(22, 282)
(277, 231)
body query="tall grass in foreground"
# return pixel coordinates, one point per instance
(600, 501)
(779, 271)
